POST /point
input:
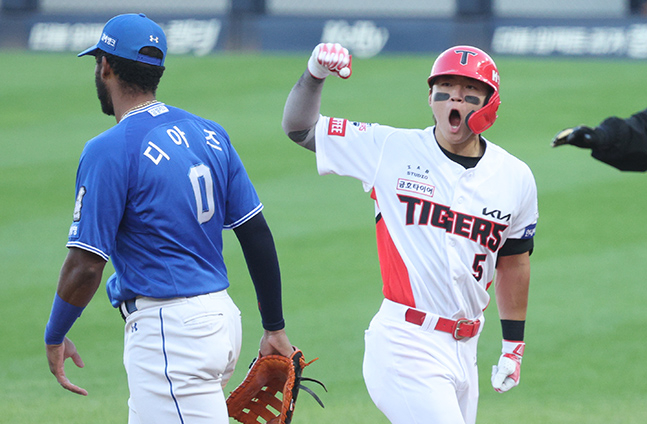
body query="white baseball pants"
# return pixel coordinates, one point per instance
(179, 355)
(416, 374)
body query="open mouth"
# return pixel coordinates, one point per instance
(454, 118)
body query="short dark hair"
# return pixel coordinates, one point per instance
(136, 76)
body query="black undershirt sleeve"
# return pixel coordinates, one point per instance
(257, 243)
(516, 247)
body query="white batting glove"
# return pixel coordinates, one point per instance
(506, 375)
(328, 59)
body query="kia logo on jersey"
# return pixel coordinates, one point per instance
(497, 214)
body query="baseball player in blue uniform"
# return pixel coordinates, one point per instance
(153, 194)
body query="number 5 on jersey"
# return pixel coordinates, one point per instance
(477, 267)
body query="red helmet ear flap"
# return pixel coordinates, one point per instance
(480, 120)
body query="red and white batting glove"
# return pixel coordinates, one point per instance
(328, 59)
(506, 375)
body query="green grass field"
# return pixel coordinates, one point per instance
(584, 361)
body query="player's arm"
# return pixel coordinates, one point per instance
(258, 247)
(511, 286)
(79, 280)
(301, 111)
(621, 143)
(512, 283)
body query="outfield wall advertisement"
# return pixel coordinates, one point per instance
(200, 35)
(184, 36)
(603, 38)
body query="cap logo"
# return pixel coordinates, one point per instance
(465, 54)
(108, 40)
(125, 36)
(495, 76)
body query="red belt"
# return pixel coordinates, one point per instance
(459, 329)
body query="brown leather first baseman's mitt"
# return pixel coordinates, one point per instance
(269, 392)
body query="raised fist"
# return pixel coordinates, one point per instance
(328, 59)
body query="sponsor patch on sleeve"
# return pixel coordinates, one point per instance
(361, 126)
(337, 126)
(78, 205)
(529, 232)
(74, 231)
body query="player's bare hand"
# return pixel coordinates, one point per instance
(328, 59)
(581, 136)
(276, 343)
(56, 356)
(506, 374)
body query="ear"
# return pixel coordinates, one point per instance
(430, 100)
(105, 68)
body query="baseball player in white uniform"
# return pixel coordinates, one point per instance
(450, 208)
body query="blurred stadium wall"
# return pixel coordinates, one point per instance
(608, 28)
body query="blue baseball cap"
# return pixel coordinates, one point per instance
(125, 35)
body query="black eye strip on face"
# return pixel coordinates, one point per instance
(473, 100)
(441, 97)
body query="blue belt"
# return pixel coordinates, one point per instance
(130, 306)
(127, 307)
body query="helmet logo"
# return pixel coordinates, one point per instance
(465, 54)
(495, 76)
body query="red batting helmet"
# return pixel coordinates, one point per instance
(468, 61)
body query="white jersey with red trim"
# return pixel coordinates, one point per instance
(439, 226)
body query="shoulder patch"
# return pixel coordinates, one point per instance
(529, 232)
(74, 231)
(337, 126)
(78, 205)
(361, 126)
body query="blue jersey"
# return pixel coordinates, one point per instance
(153, 194)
